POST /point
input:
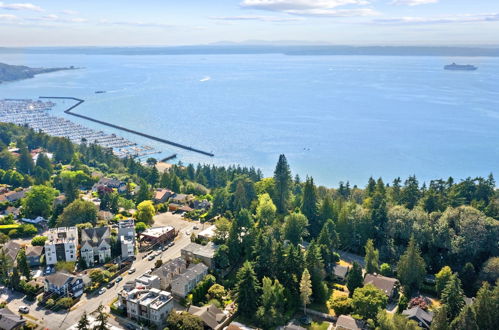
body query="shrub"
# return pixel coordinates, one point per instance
(342, 305)
(38, 240)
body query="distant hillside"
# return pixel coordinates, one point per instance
(18, 72)
(249, 48)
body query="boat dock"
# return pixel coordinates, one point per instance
(35, 114)
(80, 101)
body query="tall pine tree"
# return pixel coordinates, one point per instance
(283, 181)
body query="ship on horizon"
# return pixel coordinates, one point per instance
(460, 67)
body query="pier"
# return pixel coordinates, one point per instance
(80, 101)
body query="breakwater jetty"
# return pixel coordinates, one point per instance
(80, 101)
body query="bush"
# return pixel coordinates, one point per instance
(28, 230)
(342, 305)
(50, 303)
(65, 302)
(38, 240)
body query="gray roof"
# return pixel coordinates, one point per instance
(418, 314)
(191, 273)
(209, 314)
(59, 279)
(340, 271)
(170, 267)
(95, 236)
(348, 322)
(207, 251)
(9, 320)
(11, 248)
(385, 284)
(34, 251)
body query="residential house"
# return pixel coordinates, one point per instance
(346, 322)
(10, 321)
(422, 317)
(95, 245)
(126, 236)
(181, 199)
(169, 270)
(64, 285)
(33, 255)
(61, 245)
(158, 234)
(11, 249)
(119, 185)
(151, 305)
(162, 195)
(13, 196)
(208, 233)
(340, 272)
(179, 208)
(15, 211)
(212, 317)
(183, 283)
(205, 253)
(147, 281)
(386, 284)
(200, 205)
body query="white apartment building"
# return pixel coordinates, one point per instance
(150, 305)
(61, 245)
(126, 235)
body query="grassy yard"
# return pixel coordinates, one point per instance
(318, 326)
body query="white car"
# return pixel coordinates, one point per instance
(131, 271)
(101, 291)
(23, 309)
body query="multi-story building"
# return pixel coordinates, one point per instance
(126, 235)
(61, 245)
(149, 305)
(63, 284)
(147, 281)
(205, 253)
(183, 283)
(95, 245)
(169, 270)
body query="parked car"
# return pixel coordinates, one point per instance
(151, 257)
(131, 270)
(165, 247)
(24, 309)
(171, 244)
(101, 291)
(195, 227)
(119, 279)
(110, 285)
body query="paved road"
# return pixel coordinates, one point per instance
(89, 303)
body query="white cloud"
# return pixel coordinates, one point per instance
(8, 18)
(256, 18)
(20, 6)
(494, 17)
(69, 12)
(285, 5)
(413, 2)
(319, 8)
(136, 23)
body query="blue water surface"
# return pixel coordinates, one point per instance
(336, 118)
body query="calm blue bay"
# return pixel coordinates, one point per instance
(336, 118)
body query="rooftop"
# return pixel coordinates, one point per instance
(207, 250)
(157, 232)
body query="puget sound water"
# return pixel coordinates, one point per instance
(336, 118)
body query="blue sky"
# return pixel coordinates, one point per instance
(188, 22)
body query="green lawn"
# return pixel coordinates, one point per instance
(318, 326)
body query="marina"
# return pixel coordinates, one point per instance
(35, 114)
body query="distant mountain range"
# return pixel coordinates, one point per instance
(249, 48)
(17, 72)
